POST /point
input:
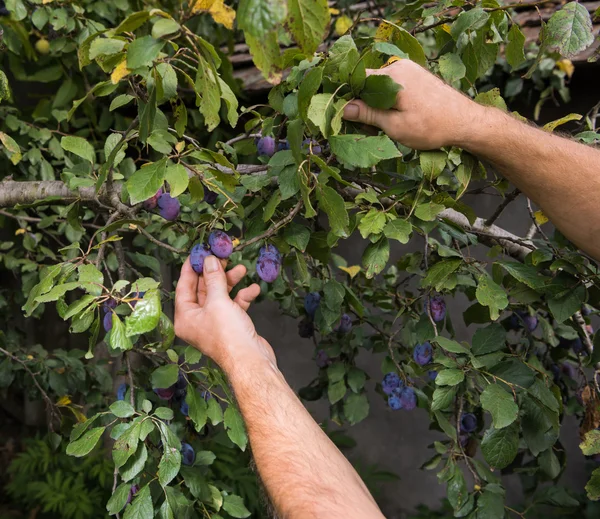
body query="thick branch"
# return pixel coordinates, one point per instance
(13, 193)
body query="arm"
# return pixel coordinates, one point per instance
(560, 175)
(304, 473)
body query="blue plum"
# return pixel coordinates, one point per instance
(198, 254)
(394, 402)
(311, 146)
(184, 408)
(165, 393)
(283, 145)
(311, 303)
(468, 422)
(270, 250)
(220, 244)
(436, 307)
(422, 353)
(345, 324)
(181, 381)
(132, 492)
(210, 197)
(306, 328)
(432, 374)
(268, 263)
(322, 359)
(266, 146)
(188, 455)
(152, 202)
(520, 319)
(121, 390)
(107, 322)
(390, 382)
(169, 207)
(408, 397)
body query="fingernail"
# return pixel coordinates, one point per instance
(351, 111)
(211, 264)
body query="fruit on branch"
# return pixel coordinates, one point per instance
(268, 263)
(181, 381)
(188, 455)
(132, 492)
(283, 145)
(311, 146)
(136, 297)
(3, 10)
(121, 390)
(390, 382)
(42, 46)
(432, 374)
(220, 244)
(436, 307)
(577, 346)
(210, 197)
(520, 318)
(165, 393)
(198, 255)
(394, 402)
(468, 422)
(169, 207)
(463, 438)
(266, 146)
(422, 353)
(311, 303)
(408, 397)
(345, 324)
(322, 359)
(569, 369)
(306, 328)
(107, 321)
(184, 408)
(152, 202)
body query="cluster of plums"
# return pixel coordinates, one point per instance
(306, 328)
(267, 146)
(168, 206)
(400, 396)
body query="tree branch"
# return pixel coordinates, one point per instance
(507, 200)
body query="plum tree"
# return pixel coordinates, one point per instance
(131, 138)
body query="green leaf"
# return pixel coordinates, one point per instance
(490, 294)
(307, 90)
(449, 377)
(432, 163)
(406, 42)
(524, 273)
(235, 427)
(11, 148)
(451, 67)
(307, 22)
(165, 376)
(500, 404)
(566, 305)
(297, 236)
(333, 204)
(569, 30)
(265, 53)
(356, 407)
(361, 151)
(118, 500)
(380, 91)
(119, 340)
(231, 102)
(143, 51)
(208, 89)
(593, 486)
(320, 112)
(145, 316)
(136, 463)
(376, 256)
(169, 465)
(439, 272)
(500, 446)
(141, 506)
(336, 391)
(164, 413)
(428, 211)
(443, 397)
(514, 51)
(372, 223)
(163, 27)
(78, 146)
(215, 413)
(85, 443)
(399, 230)
(198, 411)
(122, 409)
(259, 17)
(177, 177)
(591, 443)
(234, 506)
(469, 21)
(89, 274)
(490, 505)
(548, 462)
(105, 47)
(146, 181)
(539, 425)
(489, 339)
(450, 345)
(78, 306)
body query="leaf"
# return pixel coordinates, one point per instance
(165, 376)
(593, 486)
(490, 294)
(399, 230)
(490, 505)
(500, 404)
(428, 211)
(362, 151)
(169, 465)
(297, 236)
(449, 377)
(141, 506)
(220, 12)
(539, 425)
(122, 409)
(591, 443)
(376, 256)
(469, 21)
(320, 112)
(356, 407)
(142, 52)
(198, 411)
(569, 31)
(231, 102)
(407, 43)
(500, 446)
(105, 47)
(119, 72)
(308, 88)
(177, 177)
(235, 427)
(451, 67)
(215, 413)
(331, 202)
(207, 87)
(258, 17)
(432, 163)
(118, 338)
(78, 146)
(145, 316)
(514, 52)
(266, 55)
(372, 223)
(118, 500)
(307, 22)
(443, 397)
(565, 306)
(85, 443)
(164, 27)
(136, 463)
(380, 91)
(489, 339)
(450, 345)
(146, 181)
(439, 272)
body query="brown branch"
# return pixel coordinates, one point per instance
(273, 229)
(507, 200)
(589, 345)
(33, 219)
(104, 237)
(118, 246)
(160, 243)
(130, 375)
(13, 192)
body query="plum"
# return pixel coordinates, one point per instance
(181, 381)
(394, 402)
(306, 328)
(270, 250)
(436, 307)
(266, 146)
(210, 197)
(311, 146)
(152, 202)
(188, 455)
(121, 390)
(311, 303)
(577, 346)
(268, 263)
(169, 207)
(432, 374)
(468, 422)
(198, 255)
(283, 145)
(408, 397)
(422, 353)
(390, 382)
(220, 244)
(520, 318)
(165, 393)
(345, 324)
(107, 322)
(132, 492)
(184, 408)
(463, 438)
(322, 359)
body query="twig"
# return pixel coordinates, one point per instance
(115, 476)
(130, 375)
(33, 219)
(531, 232)
(273, 229)
(103, 238)
(160, 243)
(121, 259)
(392, 356)
(589, 345)
(507, 200)
(428, 300)
(243, 137)
(45, 396)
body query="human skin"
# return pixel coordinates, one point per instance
(305, 475)
(561, 176)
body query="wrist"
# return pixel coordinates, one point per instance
(244, 368)
(478, 128)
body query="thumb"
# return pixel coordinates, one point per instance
(214, 278)
(359, 111)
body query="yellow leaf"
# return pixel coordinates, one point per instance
(552, 125)
(446, 28)
(29, 357)
(63, 401)
(47, 1)
(20, 231)
(180, 146)
(566, 65)
(334, 11)
(393, 59)
(78, 415)
(235, 242)
(540, 218)
(384, 32)
(220, 12)
(342, 24)
(120, 72)
(351, 271)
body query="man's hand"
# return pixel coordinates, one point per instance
(208, 319)
(428, 113)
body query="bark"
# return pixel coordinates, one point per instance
(13, 193)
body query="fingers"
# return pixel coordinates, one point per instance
(186, 291)
(246, 295)
(234, 276)
(359, 111)
(214, 278)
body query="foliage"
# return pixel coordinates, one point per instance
(127, 100)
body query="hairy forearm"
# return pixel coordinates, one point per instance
(559, 175)
(304, 473)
